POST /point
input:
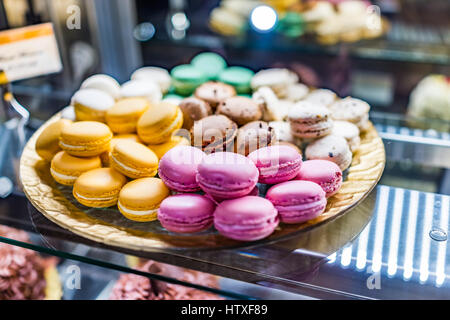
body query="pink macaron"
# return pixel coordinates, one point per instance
(246, 219)
(178, 168)
(325, 173)
(186, 213)
(297, 201)
(254, 192)
(276, 163)
(227, 175)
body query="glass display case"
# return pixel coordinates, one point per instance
(392, 245)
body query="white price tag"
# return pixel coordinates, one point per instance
(28, 52)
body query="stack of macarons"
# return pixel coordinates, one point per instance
(192, 150)
(222, 189)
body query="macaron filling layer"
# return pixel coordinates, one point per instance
(62, 176)
(125, 167)
(301, 213)
(185, 225)
(228, 191)
(173, 184)
(94, 199)
(248, 230)
(281, 172)
(137, 212)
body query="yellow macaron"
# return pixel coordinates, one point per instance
(139, 199)
(161, 149)
(47, 144)
(116, 138)
(124, 115)
(91, 104)
(134, 159)
(99, 188)
(65, 169)
(85, 138)
(159, 122)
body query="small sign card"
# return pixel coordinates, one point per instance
(28, 52)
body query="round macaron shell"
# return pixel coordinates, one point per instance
(161, 149)
(99, 188)
(140, 199)
(325, 173)
(47, 144)
(91, 104)
(186, 213)
(297, 201)
(85, 138)
(210, 63)
(123, 116)
(227, 175)
(276, 163)
(159, 122)
(178, 168)
(134, 159)
(248, 218)
(65, 169)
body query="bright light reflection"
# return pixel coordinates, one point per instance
(263, 18)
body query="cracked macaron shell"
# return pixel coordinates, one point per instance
(99, 188)
(124, 115)
(134, 159)
(85, 138)
(144, 194)
(64, 166)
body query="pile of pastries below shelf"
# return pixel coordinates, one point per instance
(215, 149)
(329, 22)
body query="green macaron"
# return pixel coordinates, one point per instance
(238, 77)
(210, 63)
(186, 77)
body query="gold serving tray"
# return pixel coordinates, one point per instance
(108, 226)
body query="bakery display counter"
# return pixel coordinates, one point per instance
(396, 238)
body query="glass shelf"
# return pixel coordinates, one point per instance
(388, 236)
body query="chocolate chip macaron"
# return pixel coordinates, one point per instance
(241, 110)
(332, 148)
(309, 120)
(194, 109)
(214, 92)
(254, 135)
(214, 133)
(353, 110)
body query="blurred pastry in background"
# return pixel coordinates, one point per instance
(194, 109)
(324, 97)
(277, 79)
(268, 102)
(134, 287)
(155, 74)
(431, 99)
(227, 22)
(349, 131)
(24, 275)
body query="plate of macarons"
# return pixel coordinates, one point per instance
(204, 156)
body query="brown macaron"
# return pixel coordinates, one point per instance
(241, 110)
(254, 135)
(214, 133)
(214, 92)
(193, 109)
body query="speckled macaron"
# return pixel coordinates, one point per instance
(65, 169)
(194, 109)
(85, 138)
(47, 144)
(91, 104)
(324, 97)
(241, 110)
(254, 135)
(353, 110)
(278, 79)
(134, 159)
(214, 92)
(139, 200)
(214, 133)
(99, 188)
(124, 115)
(349, 131)
(309, 121)
(332, 148)
(269, 104)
